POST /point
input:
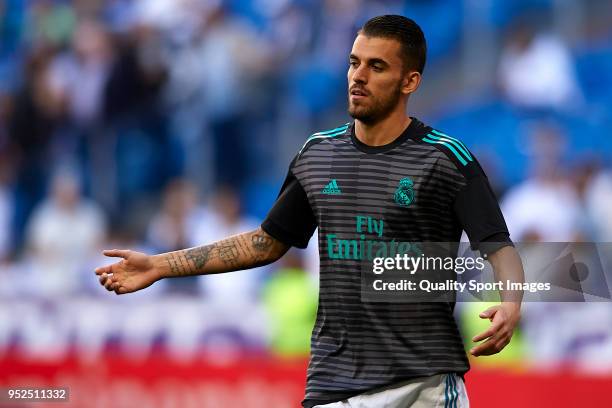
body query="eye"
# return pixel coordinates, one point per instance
(377, 68)
(353, 63)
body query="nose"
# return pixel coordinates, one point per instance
(360, 74)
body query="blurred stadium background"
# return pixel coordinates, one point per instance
(161, 124)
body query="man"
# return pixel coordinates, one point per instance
(388, 176)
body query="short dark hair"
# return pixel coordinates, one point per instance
(406, 32)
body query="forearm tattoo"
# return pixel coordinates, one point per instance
(242, 251)
(229, 252)
(261, 242)
(199, 256)
(177, 266)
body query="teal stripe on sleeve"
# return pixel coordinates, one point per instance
(323, 136)
(316, 136)
(453, 138)
(451, 148)
(325, 132)
(454, 143)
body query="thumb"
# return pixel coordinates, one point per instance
(487, 314)
(123, 253)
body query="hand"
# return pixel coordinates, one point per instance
(134, 272)
(504, 318)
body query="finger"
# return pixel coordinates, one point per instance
(109, 284)
(493, 345)
(103, 269)
(122, 253)
(485, 349)
(489, 313)
(103, 279)
(494, 328)
(501, 344)
(121, 289)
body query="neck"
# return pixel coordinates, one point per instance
(384, 131)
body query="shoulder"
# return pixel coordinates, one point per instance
(453, 151)
(324, 135)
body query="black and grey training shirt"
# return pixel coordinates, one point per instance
(424, 186)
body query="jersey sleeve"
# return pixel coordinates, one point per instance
(291, 219)
(478, 212)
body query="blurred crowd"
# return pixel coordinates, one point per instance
(157, 125)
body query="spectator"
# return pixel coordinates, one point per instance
(31, 132)
(229, 80)
(226, 219)
(545, 207)
(78, 77)
(172, 227)
(536, 70)
(169, 229)
(6, 194)
(598, 197)
(64, 232)
(6, 214)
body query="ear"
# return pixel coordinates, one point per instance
(411, 82)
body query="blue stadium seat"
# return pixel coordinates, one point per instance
(441, 21)
(491, 129)
(594, 69)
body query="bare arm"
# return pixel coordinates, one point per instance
(137, 270)
(504, 317)
(243, 251)
(507, 266)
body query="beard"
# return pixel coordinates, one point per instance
(377, 108)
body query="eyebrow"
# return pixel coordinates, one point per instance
(371, 61)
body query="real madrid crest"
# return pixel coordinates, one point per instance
(404, 194)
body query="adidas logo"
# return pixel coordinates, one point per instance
(332, 188)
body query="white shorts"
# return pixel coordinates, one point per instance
(436, 391)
